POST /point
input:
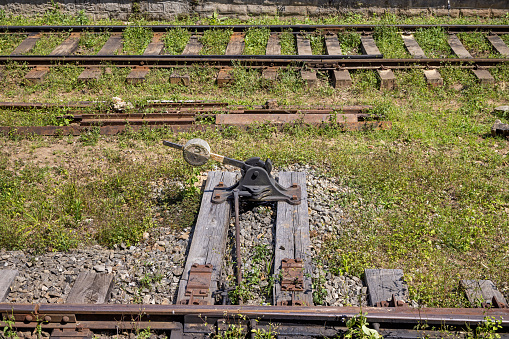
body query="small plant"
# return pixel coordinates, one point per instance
(234, 331)
(91, 136)
(270, 333)
(486, 330)
(358, 328)
(144, 334)
(319, 290)
(149, 279)
(9, 331)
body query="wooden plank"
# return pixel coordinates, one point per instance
(176, 79)
(457, 47)
(91, 73)
(224, 77)
(484, 76)
(26, 45)
(246, 119)
(383, 284)
(210, 232)
(36, 75)
(387, 79)
(156, 46)
(193, 46)
(309, 77)
(303, 45)
(499, 45)
(112, 46)
(412, 46)
(292, 238)
(341, 78)
(433, 77)
(91, 288)
(332, 44)
(304, 48)
(270, 73)
(236, 44)
(273, 45)
(6, 279)
(137, 75)
(368, 45)
(69, 46)
(480, 291)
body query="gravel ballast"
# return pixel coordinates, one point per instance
(149, 272)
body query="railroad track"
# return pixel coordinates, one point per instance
(192, 115)
(335, 62)
(203, 300)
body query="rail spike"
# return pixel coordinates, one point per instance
(256, 183)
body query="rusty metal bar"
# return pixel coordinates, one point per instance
(237, 240)
(258, 61)
(400, 315)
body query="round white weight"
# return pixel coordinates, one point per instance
(196, 152)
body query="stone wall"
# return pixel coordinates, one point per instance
(169, 9)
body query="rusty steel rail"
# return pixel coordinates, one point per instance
(241, 28)
(323, 62)
(289, 321)
(198, 116)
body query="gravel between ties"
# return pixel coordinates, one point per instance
(150, 271)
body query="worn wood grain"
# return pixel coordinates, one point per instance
(499, 44)
(210, 232)
(304, 48)
(6, 279)
(91, 288)
(273, 45)
(193, 46)
(412, 46)
(387, 79)
(270, 73)
(340, 78)
(457, 47)
(480, 291)
(292, 238)
(68, 46)
(484, 76)
(156, 46)
(26, 45)
(368, 45)
(236, 44)
(383, 283)
(112, 45)
(332, 44)
(433, 77)
(303, 45)
(36, 75)
(90, 73)
(137, 75)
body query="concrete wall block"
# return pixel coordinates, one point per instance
(499, 13)
(167, 9)
(415, 11)
(293, 10)
(261, 10)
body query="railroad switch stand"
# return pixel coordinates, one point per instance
(256, 183)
